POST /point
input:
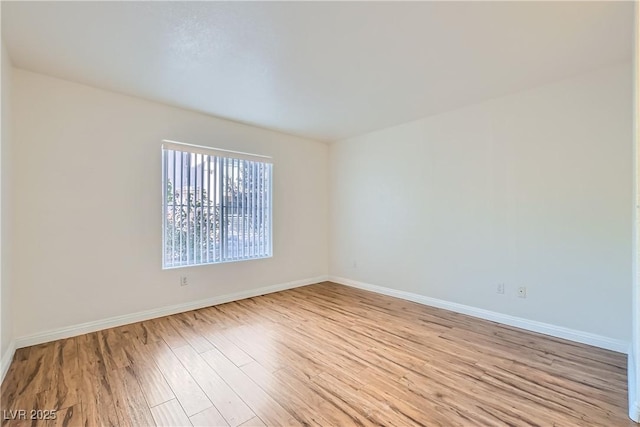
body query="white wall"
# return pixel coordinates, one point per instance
(6, 323)
(634, 354)
(531, 189)
(87, 223)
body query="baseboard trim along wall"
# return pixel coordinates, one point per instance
(634, 408)
(84, 328)
(530, 325)
(6, 360)
(518, 322)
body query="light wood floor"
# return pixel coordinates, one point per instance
(318, 355)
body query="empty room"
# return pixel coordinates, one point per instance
(319, 213)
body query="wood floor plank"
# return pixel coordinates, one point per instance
(111, 346)
(209, 417)
(329, 406)
(139, 331)
(64, 388)
(153, 384)
(67, 417)
(254, 422)
(170, 414)
(290, 400)
(223, 397)
(147, 332)
(19, 387)
(218, 318)
(228, 348)
(155, 388)
(323, 354)
(90, 357)
(259, 401)
(186, 389)
(39, 378)
(371, 409)
(129, 400)
(98, 405)
(165, 329)
(258, 347)
(181, 324)
(389, 389)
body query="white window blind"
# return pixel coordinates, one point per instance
(216, 205)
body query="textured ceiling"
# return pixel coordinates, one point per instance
(322, 70)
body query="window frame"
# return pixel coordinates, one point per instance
(263, 176)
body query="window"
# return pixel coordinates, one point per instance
(216, 205)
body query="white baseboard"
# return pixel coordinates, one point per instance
(83, 328)
(518, 322)
(6, 360)
(634, 412)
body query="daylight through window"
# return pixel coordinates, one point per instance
(216, 205)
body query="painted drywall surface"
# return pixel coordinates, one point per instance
(6, 323)
(531, 189)
(87, 214)
(634, 354)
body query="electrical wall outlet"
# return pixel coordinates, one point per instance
(184, 280)
(522, 291)
(500, 288)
